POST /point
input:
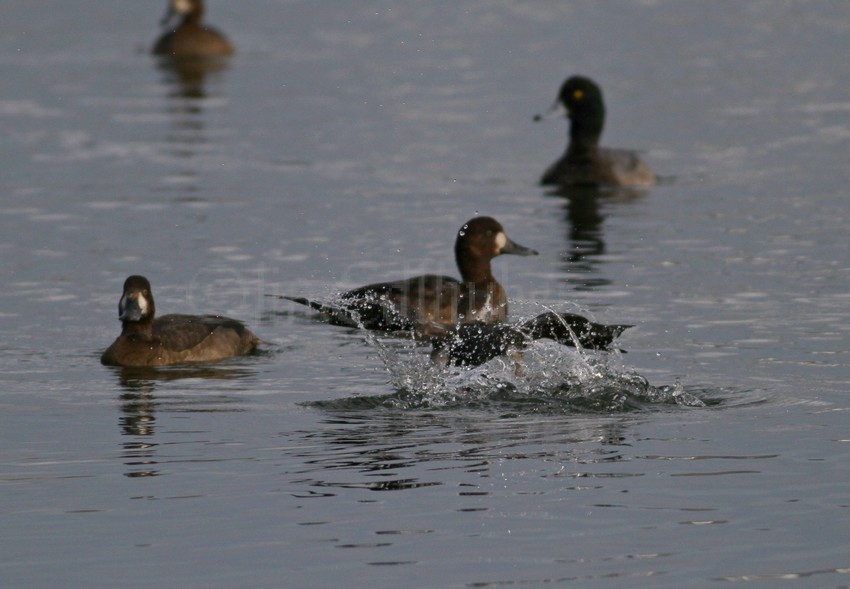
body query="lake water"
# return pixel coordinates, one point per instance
(346, 143)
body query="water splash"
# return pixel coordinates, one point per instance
(546, 378)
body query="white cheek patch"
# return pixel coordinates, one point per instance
(143, 305)
(182, 6)
(501, 240)
(141, 302)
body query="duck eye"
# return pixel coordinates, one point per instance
(578, 94)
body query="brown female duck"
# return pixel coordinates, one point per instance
(430, 303)
(191, 37)
(171, 339)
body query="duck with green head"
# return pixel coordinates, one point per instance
(584, 162)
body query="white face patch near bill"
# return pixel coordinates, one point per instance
(182, 6)
(140, 302)
(143, 304)
(501, 240)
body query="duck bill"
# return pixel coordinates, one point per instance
(512, 247)
(555, 111)
(129, 309)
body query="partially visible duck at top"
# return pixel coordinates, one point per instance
(430, 304)
(187, 36)
(585, 162)
(147, 340)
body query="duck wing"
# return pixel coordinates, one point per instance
(476, 342)
(418, 303)
(369, 311)
(425, 300)
(200, 338)
(567, 328)
(627, 167)
(335, 315)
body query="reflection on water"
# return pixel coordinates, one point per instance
(140, 405)
(146, 378)
(186, 77)
(186, 80)
(585, 237)
(401, 450)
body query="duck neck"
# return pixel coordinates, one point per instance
(475, 271)
(142, 329)
(194, 16)
(584, 140)
(483, 297)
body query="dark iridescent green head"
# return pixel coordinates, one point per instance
(585, 108)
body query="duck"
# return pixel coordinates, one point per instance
(191, 38)
(430, 304)
(147, 340)
(472, 344)
(584, 162)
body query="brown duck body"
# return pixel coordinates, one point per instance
(599, 166)
(172, 339)
(191, 37)
(427, 302)
(178, 339)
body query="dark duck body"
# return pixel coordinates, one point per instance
(430, 304)
(585, 162)
(473, 344)
(190, 38)
(147, 340)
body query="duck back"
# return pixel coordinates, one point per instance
(193, 42)
(178, 339)
(413, 303)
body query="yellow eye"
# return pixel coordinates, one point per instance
(578, 94)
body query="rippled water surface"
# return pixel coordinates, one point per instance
(345, 143)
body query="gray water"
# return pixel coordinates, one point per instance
(346, 143)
